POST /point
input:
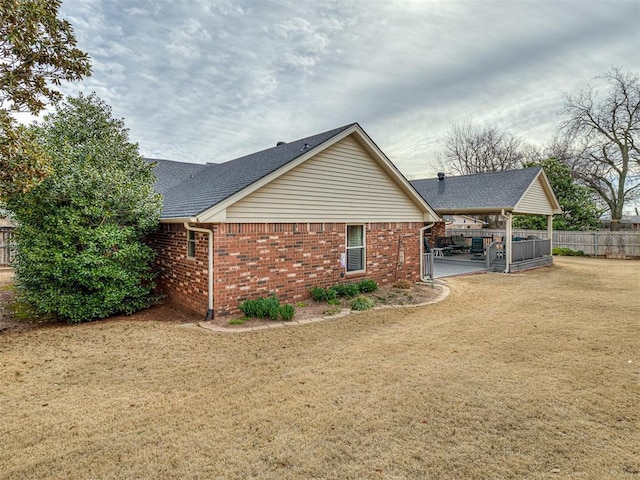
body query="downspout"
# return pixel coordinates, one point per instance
(422, 279)
(209, 314)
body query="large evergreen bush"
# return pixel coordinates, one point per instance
(80, 254)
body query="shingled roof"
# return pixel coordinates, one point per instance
(190, 189)
(483, 192)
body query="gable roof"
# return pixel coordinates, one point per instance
(483, 193)
(201, 193)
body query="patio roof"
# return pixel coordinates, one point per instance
(524, 191)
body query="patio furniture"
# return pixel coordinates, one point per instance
(448, 245)
(477, 248)
(459, 243)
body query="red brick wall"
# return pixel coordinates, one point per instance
(253, 260)
(182, 279)
(438, 230)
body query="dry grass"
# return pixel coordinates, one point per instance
(535, 375)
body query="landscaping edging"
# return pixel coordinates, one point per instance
(208, 325)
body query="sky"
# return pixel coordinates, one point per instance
(211, 80)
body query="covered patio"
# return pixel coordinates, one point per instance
(505, 193)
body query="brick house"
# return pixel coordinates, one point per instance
(317, 211)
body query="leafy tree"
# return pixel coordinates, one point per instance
(579, 209)
(38, 51)
(470, 149)
(79, 249)
(604, 133)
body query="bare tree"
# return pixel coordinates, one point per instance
(470, 149)
(603, 138)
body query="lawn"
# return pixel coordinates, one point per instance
(533, 375)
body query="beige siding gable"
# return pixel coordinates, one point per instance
(535, 200)
(340, 184)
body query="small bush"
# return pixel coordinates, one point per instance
(367, 286)
(402, 284)
(564, 251)
(351, 290)
(361, 303)
(334, 301)
(249, 308)
(339, 289)
(261, 308)
(323, 294)
(318, 294)
(287, 312)
(346, 289)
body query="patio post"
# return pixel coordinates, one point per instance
(550, 232)
(508, 234)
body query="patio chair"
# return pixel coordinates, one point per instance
(459, 243)
(477, 248)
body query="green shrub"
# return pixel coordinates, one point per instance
(346, 289)
(361, 303)
(334, 301)
(323, 294)
(339, 289)
(367, 286)
(318, 294)
(261, 308)
(287, 312)
(564, 251)
(249, 308)
(80, 245)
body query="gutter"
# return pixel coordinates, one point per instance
(209, 314)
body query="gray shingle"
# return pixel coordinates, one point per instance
(199, 187)
(493, 190)
(170, 173)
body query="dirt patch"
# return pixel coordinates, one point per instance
(163, 311)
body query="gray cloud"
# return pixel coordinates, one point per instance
(211, 80)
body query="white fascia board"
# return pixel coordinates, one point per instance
(474, 211)
(213, 215)
(178, 220)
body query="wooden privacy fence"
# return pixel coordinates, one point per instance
(6, 251)
(596, 243)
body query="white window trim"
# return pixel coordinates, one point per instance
(190, 241)
(363, 247)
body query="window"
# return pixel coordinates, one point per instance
(191, 244)
(355, 248)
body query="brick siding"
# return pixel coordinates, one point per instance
(285, 259)
(438, 230)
